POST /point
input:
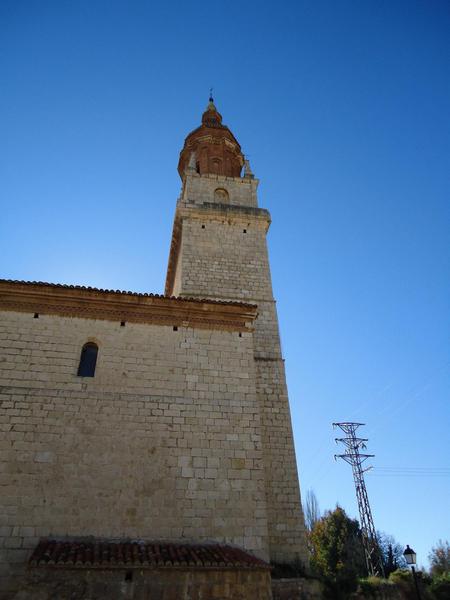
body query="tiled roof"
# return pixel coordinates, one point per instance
(139, 554)
(122, 292)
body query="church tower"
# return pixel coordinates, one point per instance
(219, 252)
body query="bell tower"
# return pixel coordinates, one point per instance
(219, 251)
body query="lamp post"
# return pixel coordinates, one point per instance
(410, 557)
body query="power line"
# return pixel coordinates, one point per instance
(409, 475)
(447, 469)
(410, 472)
(407, 397)
(355, 458)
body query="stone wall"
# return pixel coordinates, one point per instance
(223, 256)
(165, 442)
(199, 189)
(220, 252)
(170, 584)
(297, 589)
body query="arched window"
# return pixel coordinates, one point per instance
(88, 360)
(216, 166)
(221, 195)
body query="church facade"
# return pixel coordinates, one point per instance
(133, 417)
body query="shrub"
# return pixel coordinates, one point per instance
(441, 586)
(371, 586)
(404, 580)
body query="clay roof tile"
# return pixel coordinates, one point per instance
(133, 554)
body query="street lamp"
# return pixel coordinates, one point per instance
(410, 557)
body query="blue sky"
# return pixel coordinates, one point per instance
(343, 109)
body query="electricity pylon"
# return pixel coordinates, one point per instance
(354, 458)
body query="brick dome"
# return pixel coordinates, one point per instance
(215, 148)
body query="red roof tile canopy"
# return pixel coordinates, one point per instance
(138, 554)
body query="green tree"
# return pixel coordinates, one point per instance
(337, 554)
(311, 509)
(391, 553)
(439, 558)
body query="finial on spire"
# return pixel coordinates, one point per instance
(211, 106)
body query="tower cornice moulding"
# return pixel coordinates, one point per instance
(224, 212)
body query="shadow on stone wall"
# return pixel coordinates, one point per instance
(137, 584)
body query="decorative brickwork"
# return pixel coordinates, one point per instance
(213, 146)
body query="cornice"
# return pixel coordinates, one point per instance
(234, 212)
(221, 178)
(92, 303)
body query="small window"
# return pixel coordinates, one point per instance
(88, 360)
(221, 195)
